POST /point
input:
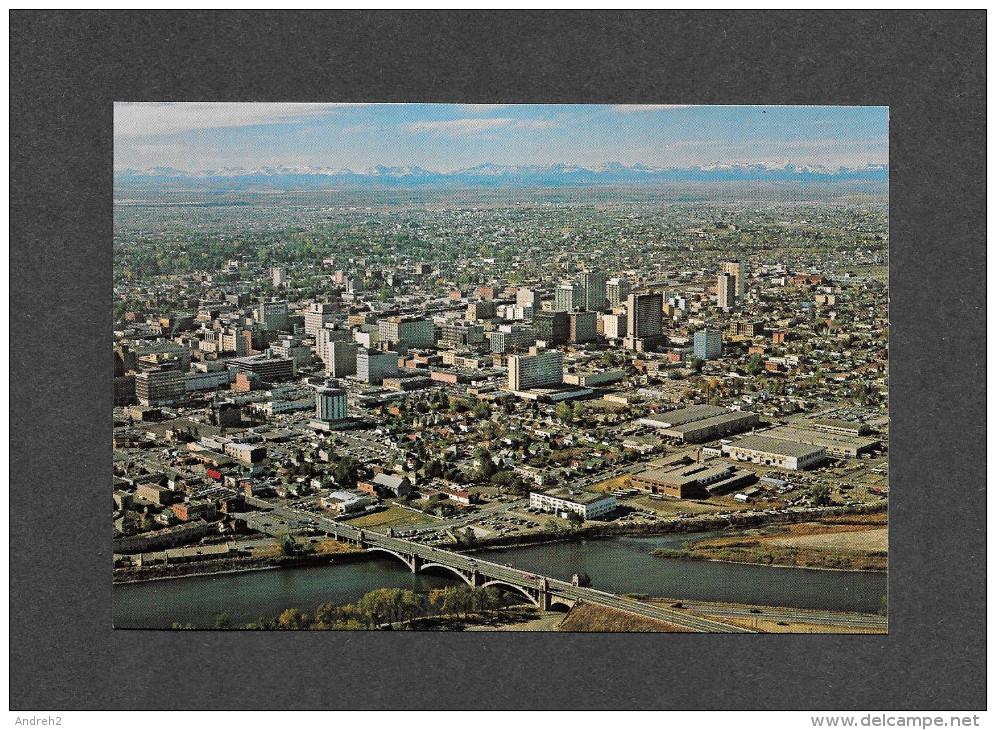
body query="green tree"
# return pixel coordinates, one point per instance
(564, 412)
(222, 621)
(819, 495)
(754, 364)
(292, 619)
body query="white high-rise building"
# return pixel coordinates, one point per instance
(317, 315)
(726, 292)
(568, 297)
(738, 270)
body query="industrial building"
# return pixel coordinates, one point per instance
(836, 443)
(692, 480)
(776, 452)
(696, 424)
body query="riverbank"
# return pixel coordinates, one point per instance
(848, 545)
(163, 571)
(706, 523)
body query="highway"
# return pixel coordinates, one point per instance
(793, 615)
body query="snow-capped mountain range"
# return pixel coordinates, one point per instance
(488, 174)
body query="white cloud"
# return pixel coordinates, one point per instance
(638, 108)
(482, 108)
(470, 126)
(156, 119)
(457, 127)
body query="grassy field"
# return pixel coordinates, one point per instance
(611, 485)
(843, 546)
(331, 547)
(588, 617)
(391, 517)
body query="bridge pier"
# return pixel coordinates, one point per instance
(416, 563)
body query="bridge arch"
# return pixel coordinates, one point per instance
(532, 599)
(558, 603)
(404, 559)
(449, 568)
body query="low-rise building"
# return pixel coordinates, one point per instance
(347, 502)
(776, 452)
(697, 424)
(564, 501)
(693, 480)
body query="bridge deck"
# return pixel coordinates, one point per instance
(523, 579)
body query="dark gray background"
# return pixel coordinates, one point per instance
(66, 70)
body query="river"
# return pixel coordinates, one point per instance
(620, 565)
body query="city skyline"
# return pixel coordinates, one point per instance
(211, 136)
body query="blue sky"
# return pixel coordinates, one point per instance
(445, 137)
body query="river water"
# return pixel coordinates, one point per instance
(620, 565)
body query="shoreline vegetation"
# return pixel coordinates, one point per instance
(849, 544)
(874, 514)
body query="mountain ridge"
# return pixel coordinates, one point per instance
(490, 174)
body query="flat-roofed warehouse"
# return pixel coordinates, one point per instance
(776, 452)
(835, 443)
(696, 424)
(693, 480)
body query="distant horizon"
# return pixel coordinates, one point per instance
(202, 137)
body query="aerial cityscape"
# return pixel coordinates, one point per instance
(501, 367)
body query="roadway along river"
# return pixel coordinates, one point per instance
(619, 565)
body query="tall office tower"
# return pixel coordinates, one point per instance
(594, 285)
(708, 344)
(340, 359)
(584, 326)
(330, 403)
(568, 297)
(273, 315)
(538, 369)
(614, 326)
(616, 291)
(279, 276)
(645, 316)
(326, 336)
(738, 270)
(373, 366)
(317, 315)
(726, 292)
(553, 328)
(525, 297)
